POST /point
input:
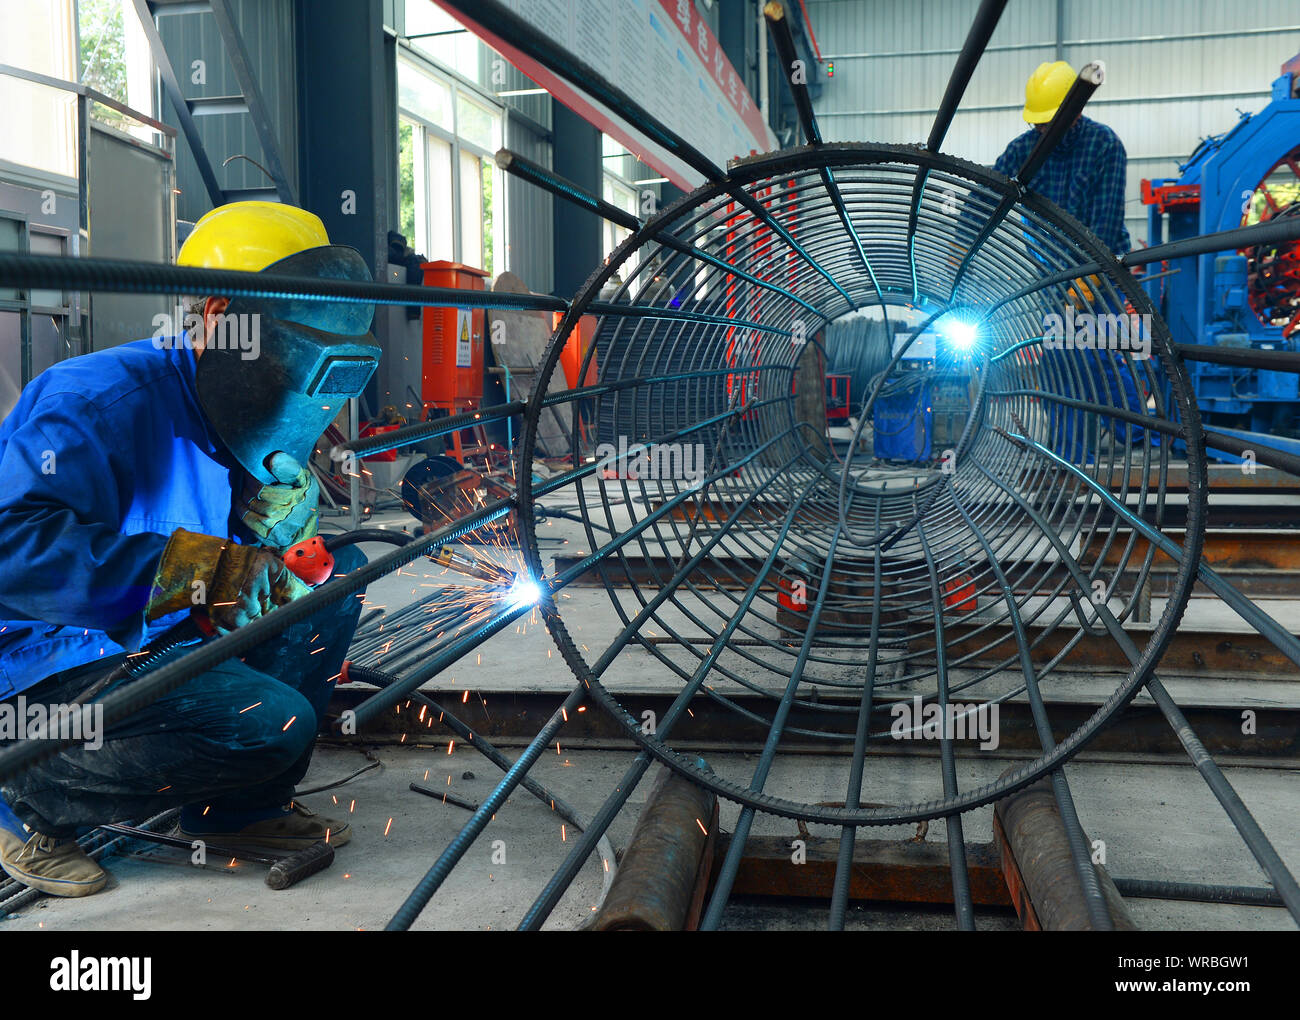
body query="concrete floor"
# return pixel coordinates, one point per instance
(1158, 821)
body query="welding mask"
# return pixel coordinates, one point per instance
(278, 370)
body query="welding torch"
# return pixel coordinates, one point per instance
(458, 561)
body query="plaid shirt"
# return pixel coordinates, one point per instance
(1084, 175)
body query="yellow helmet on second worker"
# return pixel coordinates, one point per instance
(1045, 91)
(250, 236)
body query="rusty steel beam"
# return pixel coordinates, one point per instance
(711, 726)
(659, 885)
(882, 870)
(1262, 561)
(1206, 653)
(1220, 477)
(1040, 874)
(1242, 549)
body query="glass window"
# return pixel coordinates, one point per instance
(442, 38)
(40, 128)
(423, 95)
(619, 194)
(492, 225)
(407, 132)
(476, 124)
(451, 190)
(471, 210)
(441, 243)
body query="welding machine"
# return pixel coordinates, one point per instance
(1250, 298)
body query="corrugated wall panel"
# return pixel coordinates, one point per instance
(1162, 95)
(267, 27)
(528, 223)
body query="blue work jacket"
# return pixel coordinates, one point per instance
(103, 457)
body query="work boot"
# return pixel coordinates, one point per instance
(292, 828)
(55, 866)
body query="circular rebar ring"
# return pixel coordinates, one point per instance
(740, 550)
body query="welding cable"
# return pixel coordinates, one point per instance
(345, 538)
(541, 513)
(373, 762)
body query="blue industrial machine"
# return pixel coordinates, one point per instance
(1249, 298)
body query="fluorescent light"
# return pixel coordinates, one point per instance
(651, 180)
(523, 92)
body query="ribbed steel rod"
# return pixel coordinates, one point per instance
(726, 875)
(959, 874)
(1238, 813)
(1080, 852)
(564, 875)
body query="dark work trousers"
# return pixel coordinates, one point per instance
(237, 738)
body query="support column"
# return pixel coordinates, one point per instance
(577, 244)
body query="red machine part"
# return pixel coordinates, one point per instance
(1169, 196)
(837, 390)
(792, 595)
(451, 372)
(1273, 270)
(575, 349)
(959, 594)
(310, 561)
(374, 430)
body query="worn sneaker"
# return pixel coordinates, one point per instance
(297, 827)
(55, 866)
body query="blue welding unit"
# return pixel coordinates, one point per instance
(902, 420)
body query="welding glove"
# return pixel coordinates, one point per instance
(234, 583)
(1082, 293)
(282, 513)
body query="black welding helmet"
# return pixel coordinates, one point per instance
(278, 370)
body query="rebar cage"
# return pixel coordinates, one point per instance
(905, 574)
(794, 586)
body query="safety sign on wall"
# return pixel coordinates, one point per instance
(464, 348)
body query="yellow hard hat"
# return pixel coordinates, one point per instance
(250, 236)
(1046, 89)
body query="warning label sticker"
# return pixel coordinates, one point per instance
(464, 348)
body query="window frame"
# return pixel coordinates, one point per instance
(418, 63)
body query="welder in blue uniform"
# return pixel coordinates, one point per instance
(165, 476)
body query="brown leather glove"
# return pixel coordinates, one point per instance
(234, 583)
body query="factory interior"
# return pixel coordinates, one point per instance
(668, 465)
